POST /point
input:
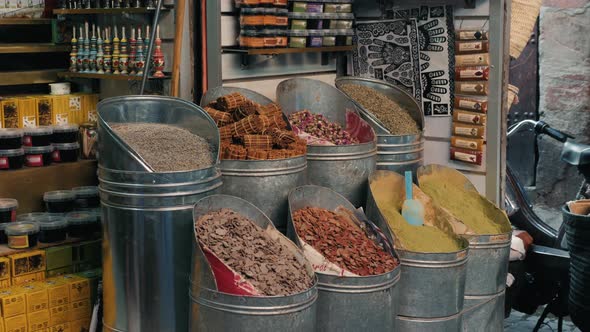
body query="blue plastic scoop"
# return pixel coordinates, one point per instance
(412, 210)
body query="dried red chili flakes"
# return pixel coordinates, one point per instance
(342, 242)
(245, 247)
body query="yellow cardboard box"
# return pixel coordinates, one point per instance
(27, 262)
(1, 324)
(80, 325)
(79, 310)
(28, 278)
(58, 292)
(4, 268)
(74, 104)
(5, 284)
(16, 324)
(38, 320)
(13, 302)
(45, 110)
(65, 327)
(27, 112)
(79, 286)
(36, 297)
(10, 113)
(61, 110)
(58, 315)
(90, 102)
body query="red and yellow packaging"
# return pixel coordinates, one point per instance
(4, 268)
(28, 278)
(45, 110)
(79, 287)
(27, 262)
(27, 107)
(10, 113)
(61, 110)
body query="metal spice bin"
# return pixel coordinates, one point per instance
(343, 168)
(347, 303)
(265, 183)
(215, 311)
(147, 217)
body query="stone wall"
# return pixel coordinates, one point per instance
(564, 70)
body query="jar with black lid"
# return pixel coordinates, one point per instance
(87, 197)
(83, 224)
(3, 238)
(66, 152)
(65, 133)
(22, 235)
(52, 229)
(12, 159)
(37, 136)
(59, 201)
(8, 208)
(11, 138)
(38, 156)
(34, 215)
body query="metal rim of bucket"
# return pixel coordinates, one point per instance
(271, 167)
(338, 153)
(340, 81)
(433, 260)
(418, 146)
(393, 153)
(343, 287)
(489, 241)
(153, 178)
(161, 195)
(399, 140)
(158, 186)
(212, 95)
(400, 163)
(106, 326)
(430, 320)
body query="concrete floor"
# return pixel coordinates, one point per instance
(519, 322)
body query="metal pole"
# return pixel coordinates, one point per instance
(148, 58)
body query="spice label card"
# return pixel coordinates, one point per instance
(75, 103)
(414, 51)
(29, 122)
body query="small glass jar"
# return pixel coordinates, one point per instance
(11, 138)
(87, 197)
(22, 235)
(12, 159)
(65, 134)
(52, 229)
(66, 152)
(37, 136)
(8, 208)
(83, 225)
(60, 201)
(38, 156)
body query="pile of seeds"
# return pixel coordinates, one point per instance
(394, 117)
(246, 248)
(318, 126)
(166, 148)
(342, 242)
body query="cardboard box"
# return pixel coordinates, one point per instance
(59, 272)
(61, 110)
(36, 296)
(58, 292)
(5, 284)
(13, 302)
(58, 257)
(79, 310)
(90, 103)
(1, 324)
(79, 287)
(73, 103)
(27, 262)
(88, 252)
(65, 327)
(58, 315)
(27, 110)
(10, 113)
(38, 320)
(16, 324)
(80, 325)
(93, 277)
(45, 110)
(28, 278)
(4, 268)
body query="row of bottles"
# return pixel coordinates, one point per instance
(94, 51)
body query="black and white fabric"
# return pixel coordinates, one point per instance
(414, 51)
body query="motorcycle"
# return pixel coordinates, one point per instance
(543, 277)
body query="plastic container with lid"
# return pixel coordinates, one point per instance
(38, 156)
(65, 133)
(52, 228)
(11, 138)
(8, 208)
(12, 159)
(34, 215)
(83, 224)
(87, 197)
(3, 238)
(37, 136)
(59, 201)
(22, 234)
(66, 152)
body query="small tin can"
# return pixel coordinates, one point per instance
(88, 138)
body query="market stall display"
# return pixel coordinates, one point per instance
(332, 166)
(10, 138)
(220, 298)
(52, 229)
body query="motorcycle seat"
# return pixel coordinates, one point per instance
(576, 154)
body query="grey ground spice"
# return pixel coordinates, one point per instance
(166, 148)
(394, 117)
(248, 249)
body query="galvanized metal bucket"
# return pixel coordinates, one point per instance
(115, 154)
(484, 313)
(345, 168)
(215, 311)
(213, 94)
(398, 153)
(347, 303)
(419, 324)
(432, 284)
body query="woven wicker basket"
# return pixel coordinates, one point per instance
(524, 16)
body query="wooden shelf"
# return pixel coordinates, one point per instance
(275, 51)
(5, 251)
(24, 21)
(91, 11)
(33, 48)
(28, 77)
(107, 76)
